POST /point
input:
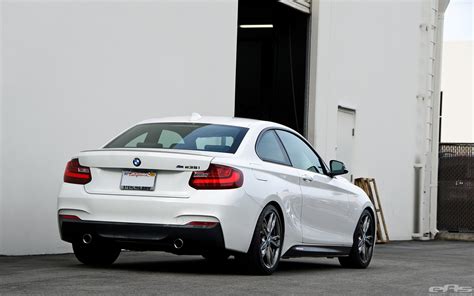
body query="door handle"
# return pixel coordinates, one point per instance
(307, 178)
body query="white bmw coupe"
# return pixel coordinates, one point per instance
(216, 187)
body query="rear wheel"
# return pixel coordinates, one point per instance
(363, 246)
(265, 250)
(96, 254)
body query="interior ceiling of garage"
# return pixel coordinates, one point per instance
(302, 5)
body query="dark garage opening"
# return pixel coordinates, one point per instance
(271, 63)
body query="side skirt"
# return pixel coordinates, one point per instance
(317, 251)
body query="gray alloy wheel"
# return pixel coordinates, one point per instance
(265, 250)
(363, 246)
(365, 243)
(270, 233)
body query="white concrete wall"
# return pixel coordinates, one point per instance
(368, 59)
(1, 123)
(458, 92)
(75, 73)
(457, 73)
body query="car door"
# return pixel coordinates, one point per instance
(274, 175)
(325, 207)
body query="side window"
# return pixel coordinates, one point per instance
(269, 149)
(301, 155)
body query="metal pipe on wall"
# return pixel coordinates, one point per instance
(420, 184)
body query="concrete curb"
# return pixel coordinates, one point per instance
(455, 236)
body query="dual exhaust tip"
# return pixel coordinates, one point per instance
(177, 243)
(87, 238)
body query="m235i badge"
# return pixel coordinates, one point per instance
(188, 167)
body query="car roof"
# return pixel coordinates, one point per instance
(224, 120)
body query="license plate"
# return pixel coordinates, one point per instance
(135, 180)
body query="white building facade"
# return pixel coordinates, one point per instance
(75, 73)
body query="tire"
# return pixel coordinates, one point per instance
(265, 249)
(96, 254)
(363, 245)
(216, 257)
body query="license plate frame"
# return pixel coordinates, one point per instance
(133, 180)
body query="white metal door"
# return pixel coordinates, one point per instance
(345, 139)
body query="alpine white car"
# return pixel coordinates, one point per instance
(216, 187)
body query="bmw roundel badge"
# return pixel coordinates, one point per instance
(137, 162)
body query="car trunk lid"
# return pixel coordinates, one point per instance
(172, 170)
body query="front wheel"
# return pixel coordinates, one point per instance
(363, 246)
(96, 254)
(265, 250)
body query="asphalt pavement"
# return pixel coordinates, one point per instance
(398, 268)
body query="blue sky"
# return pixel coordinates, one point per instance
(458, 21)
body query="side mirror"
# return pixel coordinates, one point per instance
(337, 168)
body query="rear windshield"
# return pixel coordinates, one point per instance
(184, 136)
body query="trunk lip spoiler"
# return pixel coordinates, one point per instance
(166, 151)
(195, 161)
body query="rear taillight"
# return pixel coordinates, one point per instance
(217, 177)
(76, 173)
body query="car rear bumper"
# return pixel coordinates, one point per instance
(234, 210)
(138, 236)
